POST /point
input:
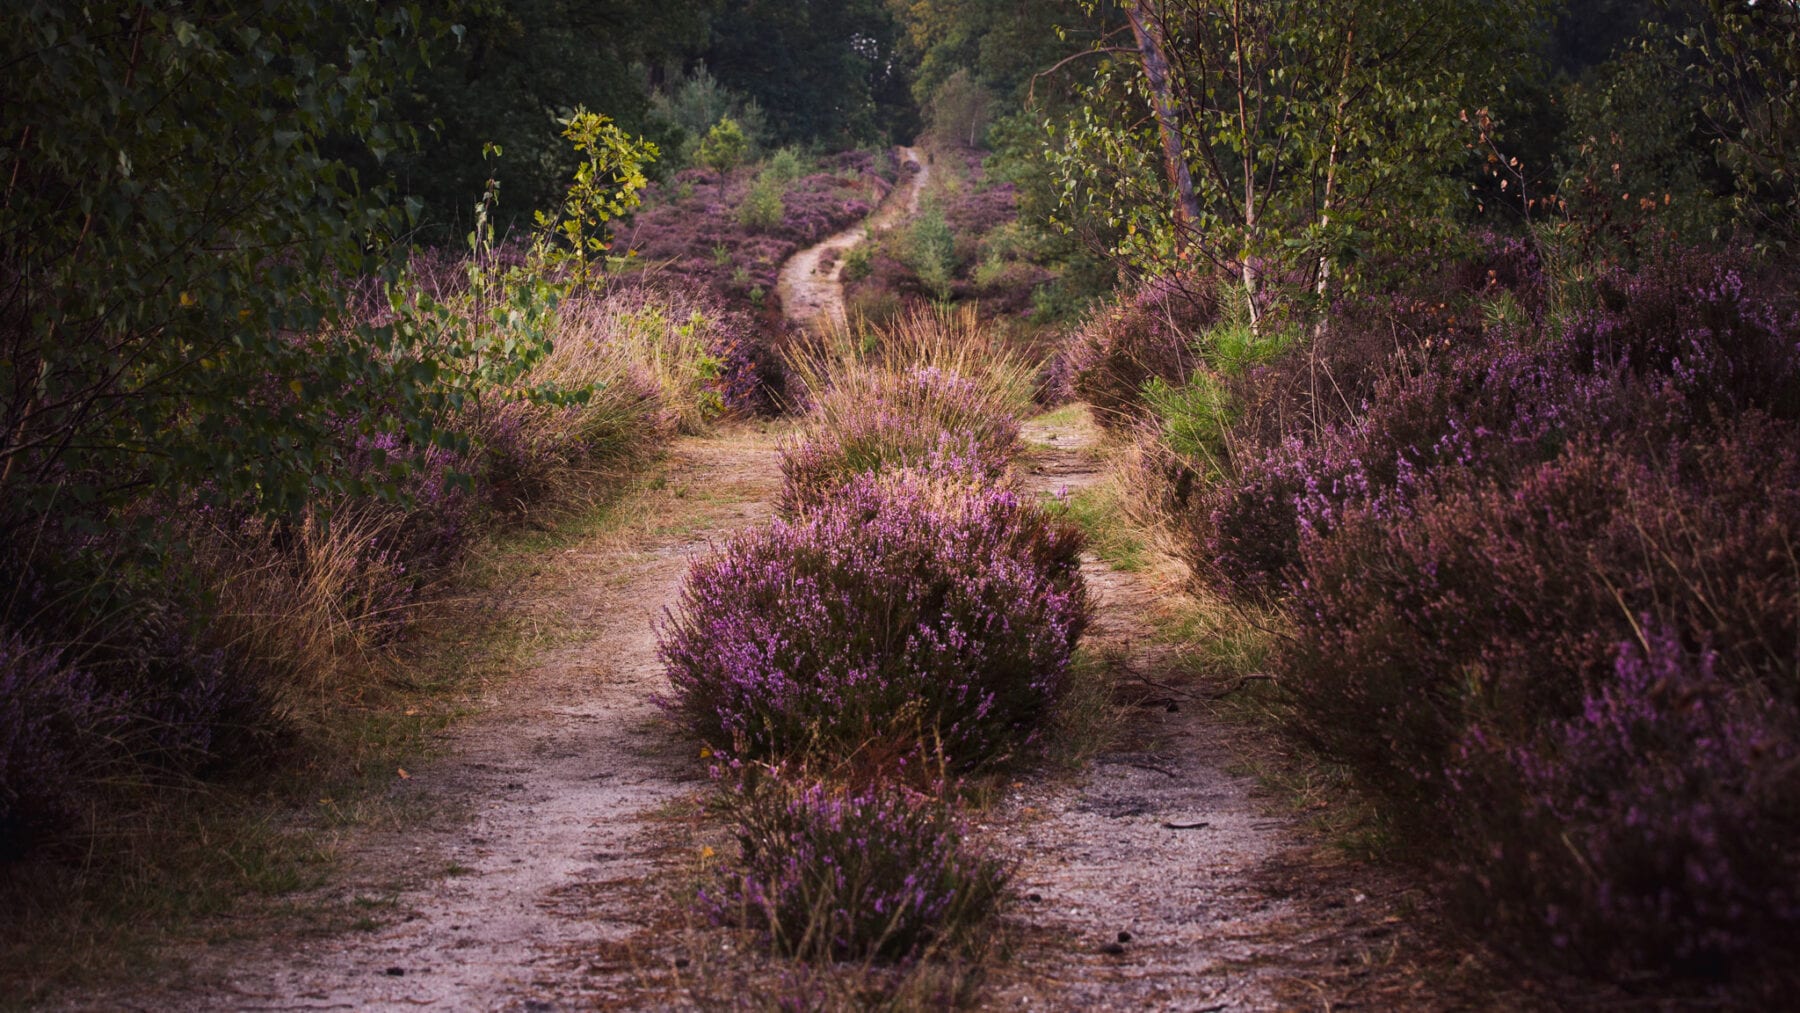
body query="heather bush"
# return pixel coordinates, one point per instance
(1541, 596)
(1650, 828)
(1673, 350)
(1141, 336)
(909, 611)
(833, 873)
(52, 717)
(688, 236)
(1505, 602)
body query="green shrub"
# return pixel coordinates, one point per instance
(724, 146)
(858, 263)
(930, 251)
(762, 207)
(786, 165)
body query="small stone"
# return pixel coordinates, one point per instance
(1112, 949)
(1034, 898)
(1124, 937)
(681, 962)
(396, 972)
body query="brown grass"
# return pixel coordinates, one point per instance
(952, 340)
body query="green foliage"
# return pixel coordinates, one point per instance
(723, 148)
(762, 207)
(786, 165)
(1313, 133)
(1003, 44)
(857, 263)
(175, 225)
(1748, 57)
(1196, 416)
(958, 112)
(510, 75)
(930, 250)
(692, 103)
(1634, 146)
(605, 186)
(826, 72)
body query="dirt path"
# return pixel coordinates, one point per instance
(1160, 879)
(546, 836)
(1157, 879)
(811, 283)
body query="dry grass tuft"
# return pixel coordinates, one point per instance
(949, 340)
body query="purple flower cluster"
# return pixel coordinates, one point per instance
(1672, 793)
(896, 420)
(1147, 334)
(685, 224)
(838, 874)
(1684, 348)
(911, 610)
(51, 713)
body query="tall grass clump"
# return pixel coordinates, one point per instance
(912, 612)
(827, 872)
(880, 421)
(948, 340)
(935, 385)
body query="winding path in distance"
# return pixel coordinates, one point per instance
(811, 283)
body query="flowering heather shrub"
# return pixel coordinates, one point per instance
(1433, 648)
(52, 717)
(1651, 828)
(148, 702)
(1504, 603)
(909, 611)
(1542, 599)
(829, 873)
(1143, 335)
(883, 420)
(1676, 357)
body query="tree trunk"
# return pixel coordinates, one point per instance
(1148, 31)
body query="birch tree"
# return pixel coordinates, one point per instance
(1295, 136)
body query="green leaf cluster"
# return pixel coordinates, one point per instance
(606, 185)
(724, 146)
(177, 227)
(1315, 133)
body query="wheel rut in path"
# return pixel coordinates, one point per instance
(1159, 879)
(811, 283)
(547, 840)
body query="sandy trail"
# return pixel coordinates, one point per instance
(811, 287)
(547, 835)
(1159, 879)
(546, 840)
